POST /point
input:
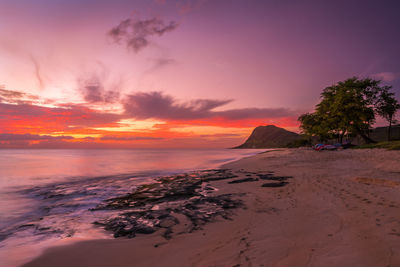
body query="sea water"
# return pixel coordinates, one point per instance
(46, 194)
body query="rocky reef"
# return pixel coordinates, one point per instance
(158, 205)
(187, 199)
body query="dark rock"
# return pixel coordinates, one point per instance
(168, 234)
(143, 229)
(141, 197)
(188, 196)
(280, 184)
(168, 222)
(273, 178)
(244, 180)
(217, 178)
(44, 228)
(26, 225)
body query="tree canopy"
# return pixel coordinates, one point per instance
(387, 108)
(350, 108)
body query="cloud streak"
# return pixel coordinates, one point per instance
(31, 137)
(186, 6)
(137, 34)
(160, 106)
(157, 105)
(34, 118)
(129, 138)
(16, 97)
(37, 72)
(93, 91)
(387, 76)
(159, 63)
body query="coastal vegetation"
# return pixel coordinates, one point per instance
(349, 108)
(389, 145)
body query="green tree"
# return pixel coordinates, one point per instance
(387, 107)
(346, 108)
(313, 125)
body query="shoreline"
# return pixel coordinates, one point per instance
(55, 210)
(310, 220)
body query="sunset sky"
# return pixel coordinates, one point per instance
(180, 73)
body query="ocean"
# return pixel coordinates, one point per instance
(46, 194)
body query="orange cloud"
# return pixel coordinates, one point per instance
(163, 122)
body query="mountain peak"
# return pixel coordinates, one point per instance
(269, 136)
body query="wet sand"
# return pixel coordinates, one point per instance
(341, 208)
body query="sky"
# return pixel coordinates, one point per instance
(180, 73)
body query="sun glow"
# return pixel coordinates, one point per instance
(126, 125)
(211, 130)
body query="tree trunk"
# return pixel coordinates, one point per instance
(365, 137)
(341, 137)
(390, 126)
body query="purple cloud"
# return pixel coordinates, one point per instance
(95, 93)
(53, 119)
(386, 76)
(255, 113)
(159, 63)
(226, 135)
(15, 97)
(160, 106)
(31, 137)
(97, 86)
(129, 138)
(186, 6)
(136, 33)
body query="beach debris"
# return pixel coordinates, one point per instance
(320, 147)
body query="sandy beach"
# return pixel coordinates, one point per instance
(340, 208)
